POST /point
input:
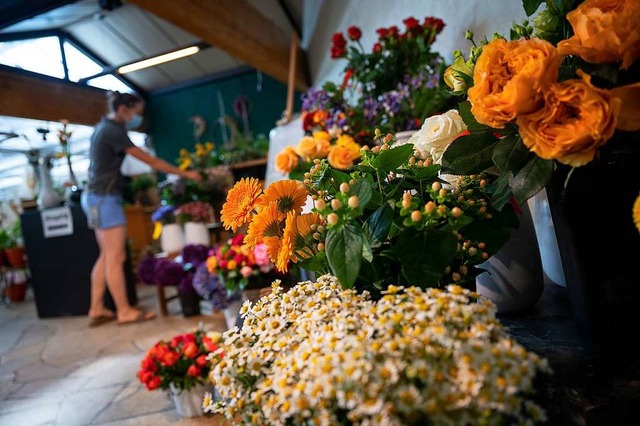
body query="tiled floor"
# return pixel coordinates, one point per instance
(60, 372)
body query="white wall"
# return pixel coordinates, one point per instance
(324, 17)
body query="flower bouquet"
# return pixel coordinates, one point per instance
(319, 354)
(556, 107)
(182, 366)
(195, 211)
(390, 219)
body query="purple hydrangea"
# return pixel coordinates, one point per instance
(209, 287)
(146, 270)
(195, 254)
(168, 273)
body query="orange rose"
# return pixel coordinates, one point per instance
(314, 147)
(604, 31)
(340, 157)
(307, 147)
(509, 79)
(348, 142)
(576, 120)
(287, 160)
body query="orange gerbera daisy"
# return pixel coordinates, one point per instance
(267, 223)
(296, 242)
(273, 247)
(290, 195)
(241, 201)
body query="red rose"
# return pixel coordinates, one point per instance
(193, 371)
(307, 121)
(337, 52)
(377, 48)
(382, 33)
(191, 350)
(439, 25)
(175, 342)
(393, 31)
(202, 360)
(339, 40)
(170, 359)
(354, 33)
(209, 345)
(154, 383)
(190, 337)
(223, 264)
(412, 24)
(237, 240)
(145, 376)
(148, 364)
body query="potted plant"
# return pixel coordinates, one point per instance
(195, 216)
(181, 366)
(170, 233)
(16, 288)
(14, 250)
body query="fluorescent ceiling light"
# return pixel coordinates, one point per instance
(159, 59)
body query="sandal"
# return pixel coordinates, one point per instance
(101, 319)
(141, 317)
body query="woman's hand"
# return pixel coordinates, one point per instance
(192, 175)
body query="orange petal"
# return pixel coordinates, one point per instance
(629, 117)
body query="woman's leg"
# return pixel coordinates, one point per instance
(112, 243)
(98, 286)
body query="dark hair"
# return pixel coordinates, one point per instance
(116, 99)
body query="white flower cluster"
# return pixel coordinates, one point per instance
(321, 355)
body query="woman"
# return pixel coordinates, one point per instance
(102, 203)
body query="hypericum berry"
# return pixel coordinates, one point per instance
(384, 147)
(442, 210)
(320, 246)
(456, 212)
(456, 277)
(485, 255)
(307, 182)
(336, 204)
(473, 251)
(313, 227)
(377, 132)
(344, 187)
(442, 192)
(463, 270)
(412, 161)
(430, 207)
(365, 148)
(307, 175)
(321, 204)
(481, 246)
(354, 201)
(333, 218)
(388, 138)
(436, 186)
(316, 235)
(316, 161)
(375, 149)
(483, 183)
(352, 182)
(428, 162)
(321, 229)
(416, 215)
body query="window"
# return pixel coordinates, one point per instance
(41, 55)
(109, 82)
(79, 64)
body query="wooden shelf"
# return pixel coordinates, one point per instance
(250, 163)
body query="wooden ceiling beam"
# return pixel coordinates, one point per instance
(30, 95)
(236, 27)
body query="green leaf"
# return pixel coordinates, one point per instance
(377, 226)
(344, 252)
(469, 119)
(501, 191)
(363, 190)
(510, 154)
(318, 263)
(393, 158)
(494, 232)
(531, 179)
(470, 154)
(425, 255)
(427, 173)
(530, 6)
(367, 252)
(298, 172)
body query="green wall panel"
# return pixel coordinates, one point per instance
(169, 114)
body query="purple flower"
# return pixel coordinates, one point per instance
(146, 270)
(167, 272)
(314, 99)
(209, 287)
(195, 254)
(391, 102)
(164, 214)
(186, 284)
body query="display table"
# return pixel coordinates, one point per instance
(61, 265)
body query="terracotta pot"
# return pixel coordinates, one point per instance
(16, 292)
(16, 257)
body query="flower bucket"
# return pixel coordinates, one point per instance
(514, 281)
(190, 304)
(188, 403)
(196, 233)
(546, 234)
(16, 257)
(231, 313)
(172, 238)
(16, 292)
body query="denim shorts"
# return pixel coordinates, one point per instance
(103, 210)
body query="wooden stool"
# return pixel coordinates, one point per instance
(163, 300)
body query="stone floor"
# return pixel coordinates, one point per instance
(60, 372)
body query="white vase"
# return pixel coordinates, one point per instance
(172, 238)
(196, 233)
(546, 234)
(514, 281)
(188, 403)
(47, 196)
(231, 313)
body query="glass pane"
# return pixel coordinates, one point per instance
(109, 82)
(79, 64)
(41, 55)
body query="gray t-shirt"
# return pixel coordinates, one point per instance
(108, 145)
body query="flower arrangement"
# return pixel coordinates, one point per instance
(64, 137)
(319, 354)
(236, 262)
(183, 362)
(341, 152)
(195, 211)
(392, 86)
(546, 100)
(211, 288)
(390, 219)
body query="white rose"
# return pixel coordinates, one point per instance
(437, 133)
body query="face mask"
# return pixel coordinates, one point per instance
(135, 122)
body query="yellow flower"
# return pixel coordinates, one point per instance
(340, 157)
(295, 242)
(232, 265)
(347, 141)
(290, 195)
(212, 264)
(636, 213)
(185, 164)
(267, 223)
(241, 201)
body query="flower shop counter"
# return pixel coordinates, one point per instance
(61, 265)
